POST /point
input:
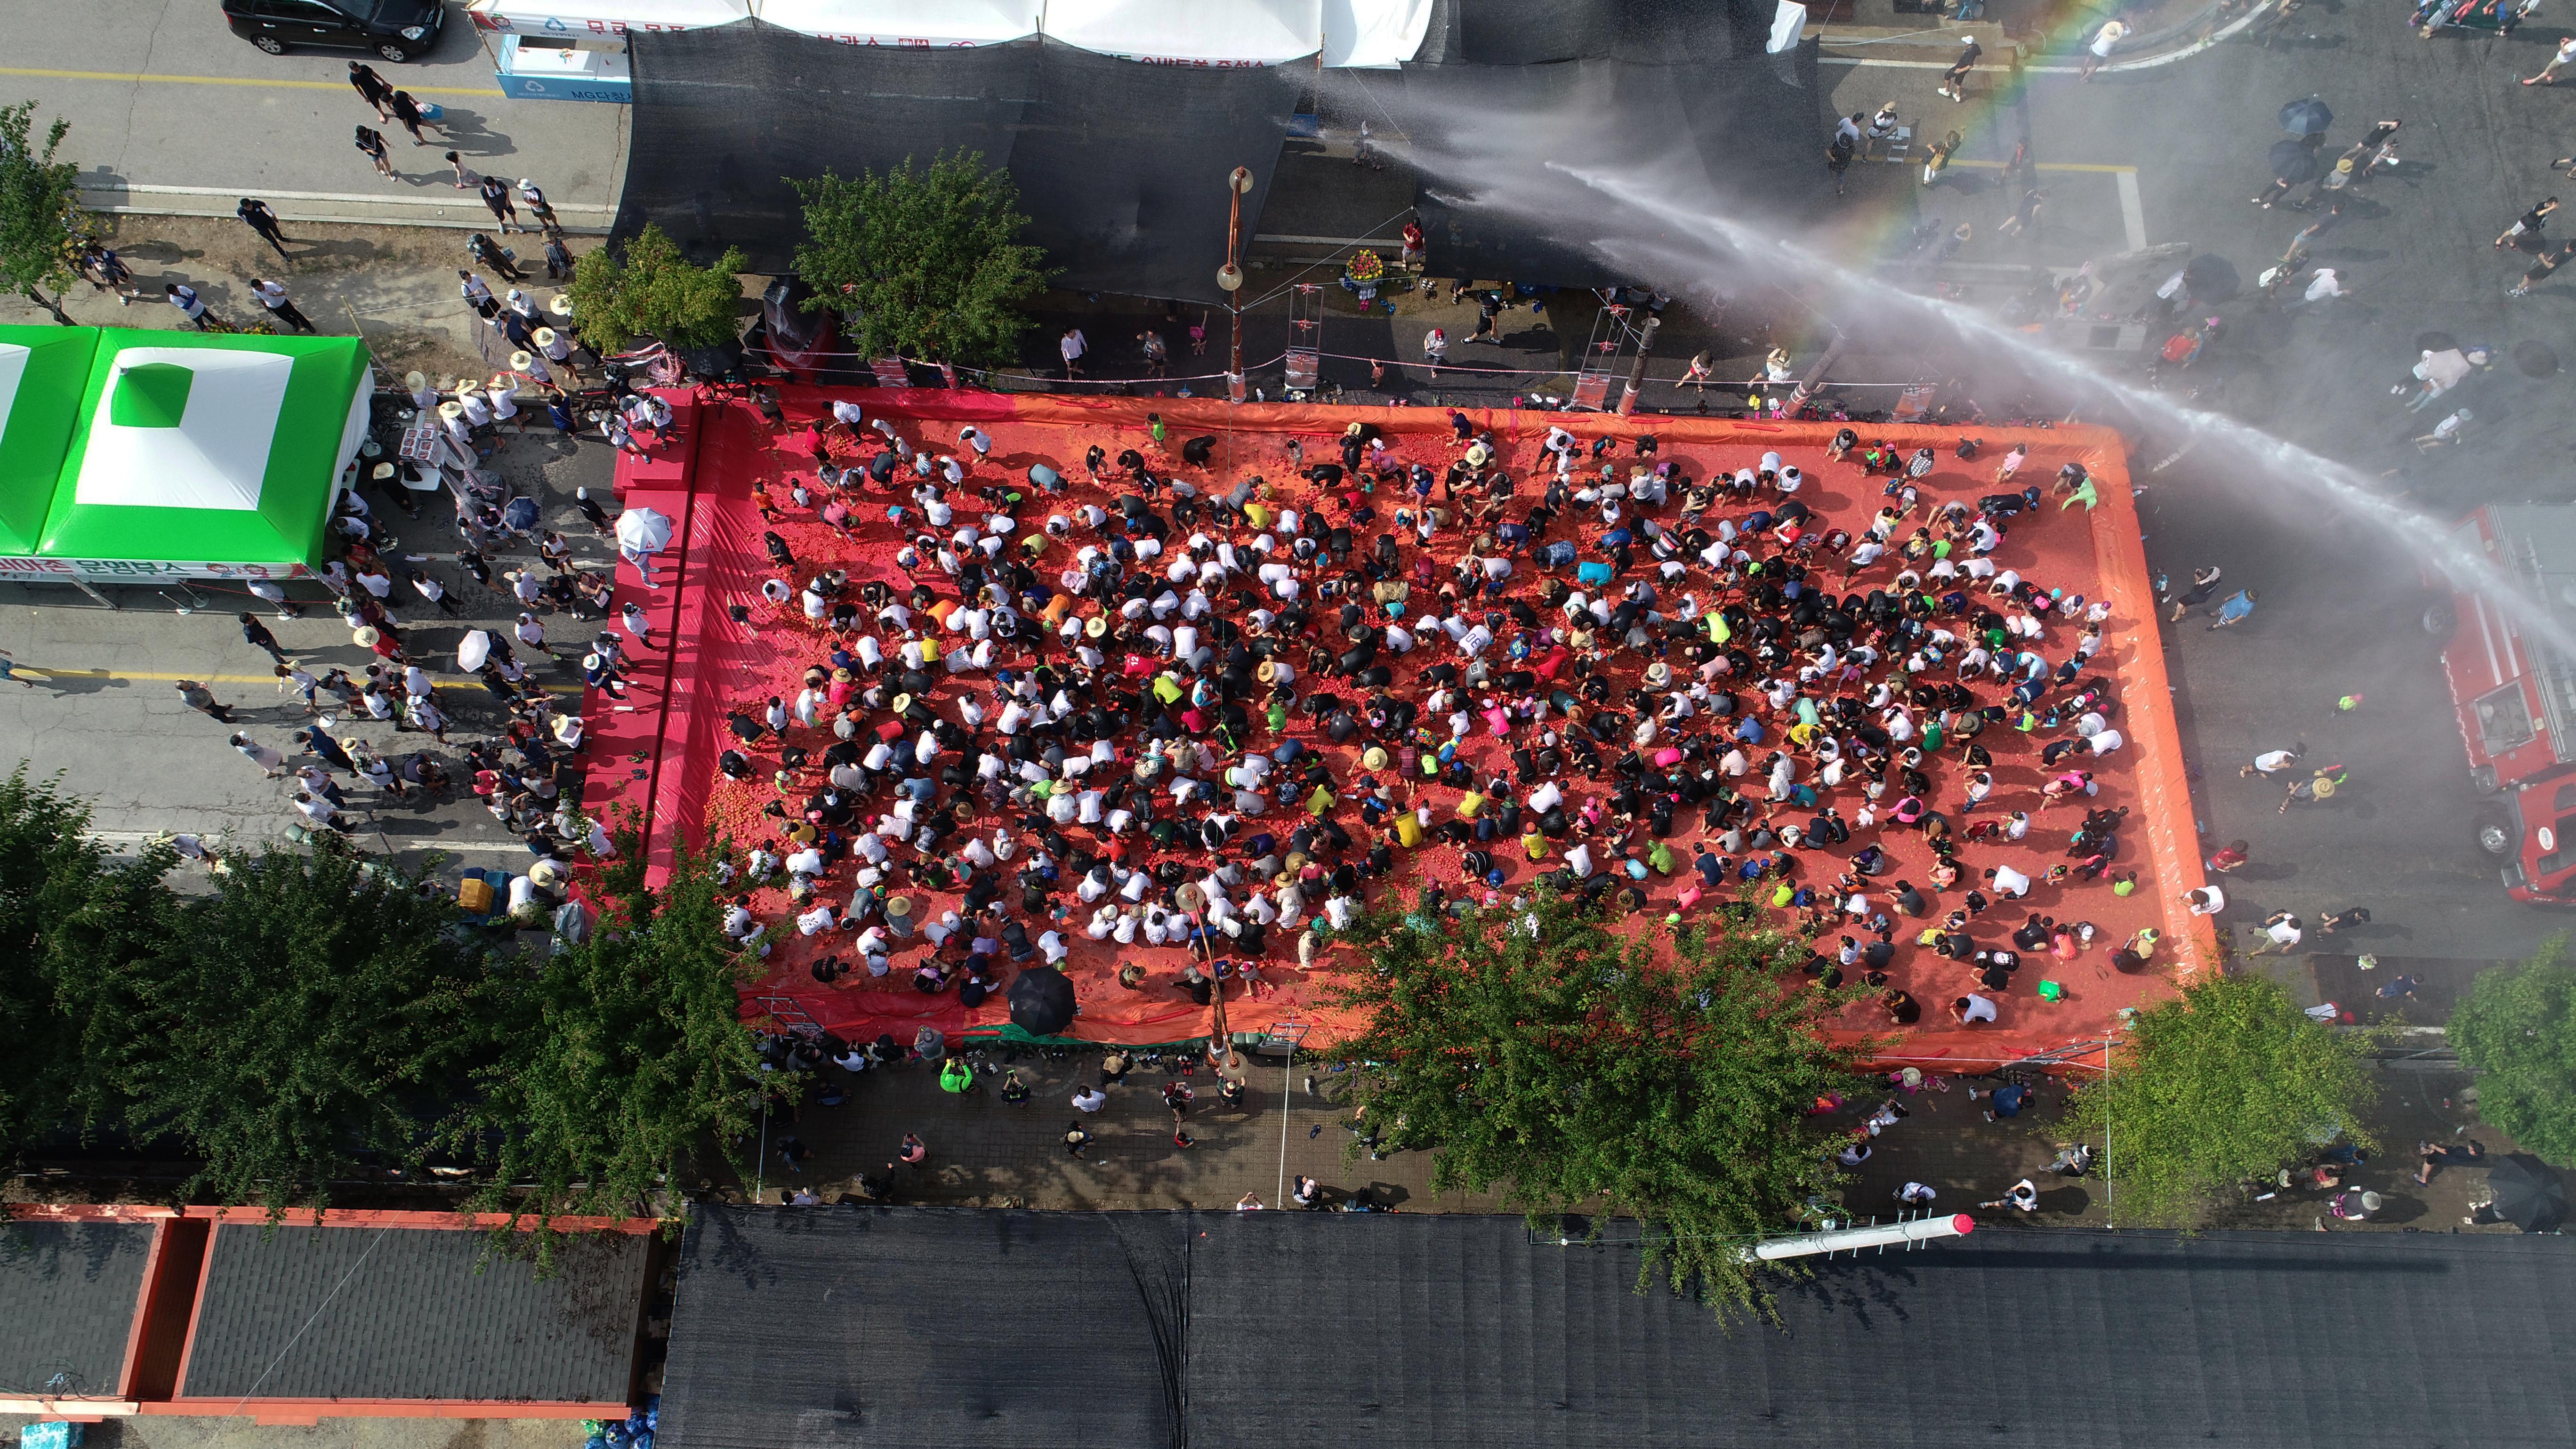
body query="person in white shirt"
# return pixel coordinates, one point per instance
(1089, 1099)
(274, 298)
(2008, 882)
(1971, 1009)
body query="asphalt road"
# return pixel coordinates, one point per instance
(160, 93)
(2340, 601)
(107, 715)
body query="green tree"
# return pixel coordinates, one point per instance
(2517, 1031)
(315, 1010)
(630, 1059)
(1585, 1070)
(646, 288)
(2226, 1084)
(40, 210)
(62, 900)
(924, 263)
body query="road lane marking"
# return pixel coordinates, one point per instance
(240, 678)
(136, 77)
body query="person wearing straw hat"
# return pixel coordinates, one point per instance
(557, 349)
(534, 368)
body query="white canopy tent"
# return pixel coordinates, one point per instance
(1367, 34)
(1191, 32)
(1373, 34)
(925, 24)
(603, 17)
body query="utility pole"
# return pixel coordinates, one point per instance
(1230, 277)
(1637, 370)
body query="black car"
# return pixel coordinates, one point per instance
(395, 29)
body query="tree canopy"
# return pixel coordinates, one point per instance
(40, 209)
(315, 1013)
(2517, 1031)
(630, 1052)
(61, 901)
(925, 263)
(1586, 1071)
(311, 1014)
(2226, 1084)
(646, 288)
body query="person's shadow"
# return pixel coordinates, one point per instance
(71, 681)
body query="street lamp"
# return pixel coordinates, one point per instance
(1230, 276)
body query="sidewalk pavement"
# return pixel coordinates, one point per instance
(172, 113)
(988, 1153)
(394, 286)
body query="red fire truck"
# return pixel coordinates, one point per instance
(2516, 699)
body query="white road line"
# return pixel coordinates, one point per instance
(2150, 63)
(454, 198)
(137, 837)
(2133, 212)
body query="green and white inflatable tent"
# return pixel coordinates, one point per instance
(138, 455)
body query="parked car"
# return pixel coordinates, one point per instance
(399, 30)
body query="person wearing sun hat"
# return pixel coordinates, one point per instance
(1954, 81)
(556, 348)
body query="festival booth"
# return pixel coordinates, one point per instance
(576, 50)
(148, 455)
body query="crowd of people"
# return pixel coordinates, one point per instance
(1150, 702)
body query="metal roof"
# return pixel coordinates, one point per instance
(68, 1295)
(370, 1312)
(826, 1328)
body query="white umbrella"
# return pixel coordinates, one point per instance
(641, 530)
(472, 650)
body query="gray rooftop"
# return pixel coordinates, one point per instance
(365, 1312)
(68, 1295)
(841, 1328)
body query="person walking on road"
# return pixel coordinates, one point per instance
(9, 671)
(2549, 73)
(371, 143)
(371, 88)
(2549, 260)
(2524, 234)
(1954, 81)
(256, 635)
(2238, 608)
(260, 219)
(1838, 159)
(202, 700)
(279, 305)
(407, 112)
(1071, 347)
(260, 755)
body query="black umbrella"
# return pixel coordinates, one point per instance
(1041, 1001)
(2210, 278)
(2528, 1194)
(2306, 117)
(2292, 162)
